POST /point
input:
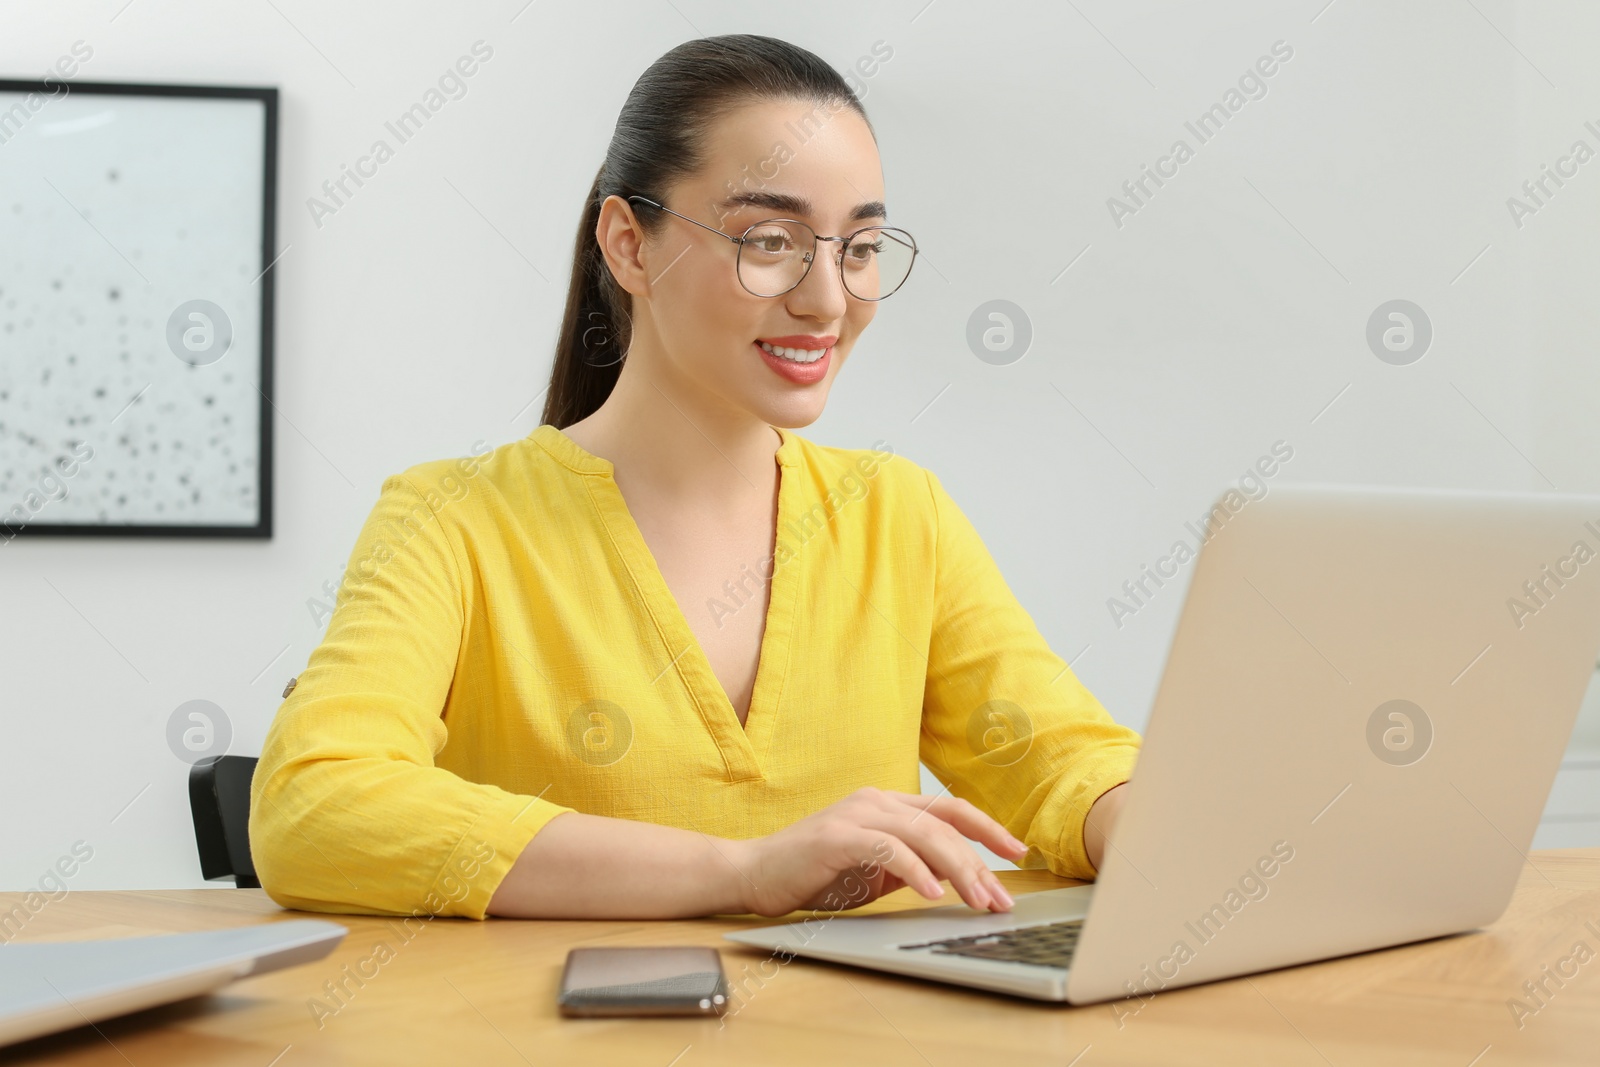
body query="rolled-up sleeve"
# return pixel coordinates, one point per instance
(1006, 724)
(348, 812)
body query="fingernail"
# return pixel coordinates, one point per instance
(934, 888)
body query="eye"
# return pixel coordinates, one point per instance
(774, 240)
(864, 248)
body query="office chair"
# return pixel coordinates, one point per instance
(219, 800)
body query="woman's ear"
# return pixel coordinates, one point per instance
(622, 241)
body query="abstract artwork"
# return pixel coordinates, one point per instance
(136, 296)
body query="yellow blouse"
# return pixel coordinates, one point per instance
(503, 648)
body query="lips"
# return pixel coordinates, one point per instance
(793, 370)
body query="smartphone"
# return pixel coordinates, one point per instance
(655, 980)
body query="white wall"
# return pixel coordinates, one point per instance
(1225, 314)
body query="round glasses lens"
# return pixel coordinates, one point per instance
(877, 261)
(772, 257)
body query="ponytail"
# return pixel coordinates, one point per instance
(595, 328)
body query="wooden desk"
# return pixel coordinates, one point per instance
(462, 992)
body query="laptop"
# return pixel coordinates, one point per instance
(55, 985)
(1362, 712)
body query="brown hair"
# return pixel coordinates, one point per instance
(659, 139)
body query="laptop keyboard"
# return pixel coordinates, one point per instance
(1046, 945)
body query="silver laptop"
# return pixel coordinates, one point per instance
(54, 985)
(1359, 721)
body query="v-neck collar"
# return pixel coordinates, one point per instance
(743, 747)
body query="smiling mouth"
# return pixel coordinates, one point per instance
(794, 355)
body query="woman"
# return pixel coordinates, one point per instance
(663, 657)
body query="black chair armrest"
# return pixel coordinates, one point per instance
(219, 800)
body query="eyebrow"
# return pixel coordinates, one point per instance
(798, 205)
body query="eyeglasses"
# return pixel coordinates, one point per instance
(775, 255)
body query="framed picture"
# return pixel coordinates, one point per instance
(137, 237)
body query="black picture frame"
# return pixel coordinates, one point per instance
(267, 96)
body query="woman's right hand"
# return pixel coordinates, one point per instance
(873, 842)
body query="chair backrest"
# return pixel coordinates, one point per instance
(219, 799)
